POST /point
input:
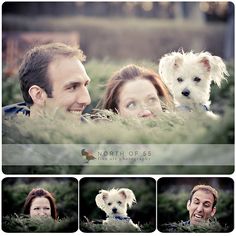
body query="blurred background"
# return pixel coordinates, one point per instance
(144, 212)
(15, 191)
(173, 194)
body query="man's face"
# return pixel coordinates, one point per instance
(69, 85)
(201, 207)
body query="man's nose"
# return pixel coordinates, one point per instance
(83, 96)
(145, 113)
(200, 208)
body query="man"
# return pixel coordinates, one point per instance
(52, 77)
(202, 204)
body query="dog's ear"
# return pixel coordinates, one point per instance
(168, 64)
(218, 71)
(100, 199)
(215, 66)
(128, 195)
(178, 61)
(204, 61)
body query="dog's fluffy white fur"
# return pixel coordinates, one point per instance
(115, 203)
(188, 77)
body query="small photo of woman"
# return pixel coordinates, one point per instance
(39, 204)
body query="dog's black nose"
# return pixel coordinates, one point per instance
(114, 210)
(186, 92)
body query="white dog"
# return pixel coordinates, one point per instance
(115, 202)
(188, 77)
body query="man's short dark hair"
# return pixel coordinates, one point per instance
(34, 68)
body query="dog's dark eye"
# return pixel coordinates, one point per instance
(109, 203)
(180, 80)
(197, 79)
(119, 202)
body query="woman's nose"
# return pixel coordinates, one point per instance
(145, 113)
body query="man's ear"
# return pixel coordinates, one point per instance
(38, 95)
(188, 205)
(213, 211)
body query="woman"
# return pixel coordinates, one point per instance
(40, 202)
(135, 91)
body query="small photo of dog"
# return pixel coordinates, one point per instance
(117, 204)
(189, 76)
(114, 203)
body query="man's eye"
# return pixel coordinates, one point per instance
(131, 105)
(180, 80)
(197, 79)
(72, 88)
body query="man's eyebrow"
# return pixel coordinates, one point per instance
(195, 198)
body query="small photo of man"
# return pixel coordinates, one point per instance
(195, 205)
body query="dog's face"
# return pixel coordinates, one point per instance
(189, 75)
(115, 201)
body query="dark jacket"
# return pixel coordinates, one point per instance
(12, 110)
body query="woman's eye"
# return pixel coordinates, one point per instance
(152, 100)
(180, 80)
(131, 105)
(36, 208)
(197, 79)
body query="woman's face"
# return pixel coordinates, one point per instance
(40, 206)
(138, 98)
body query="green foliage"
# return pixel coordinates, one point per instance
(119, 227)
(10, 90)
(23, 223)
(212, 227)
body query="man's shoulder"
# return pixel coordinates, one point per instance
(13, 109)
